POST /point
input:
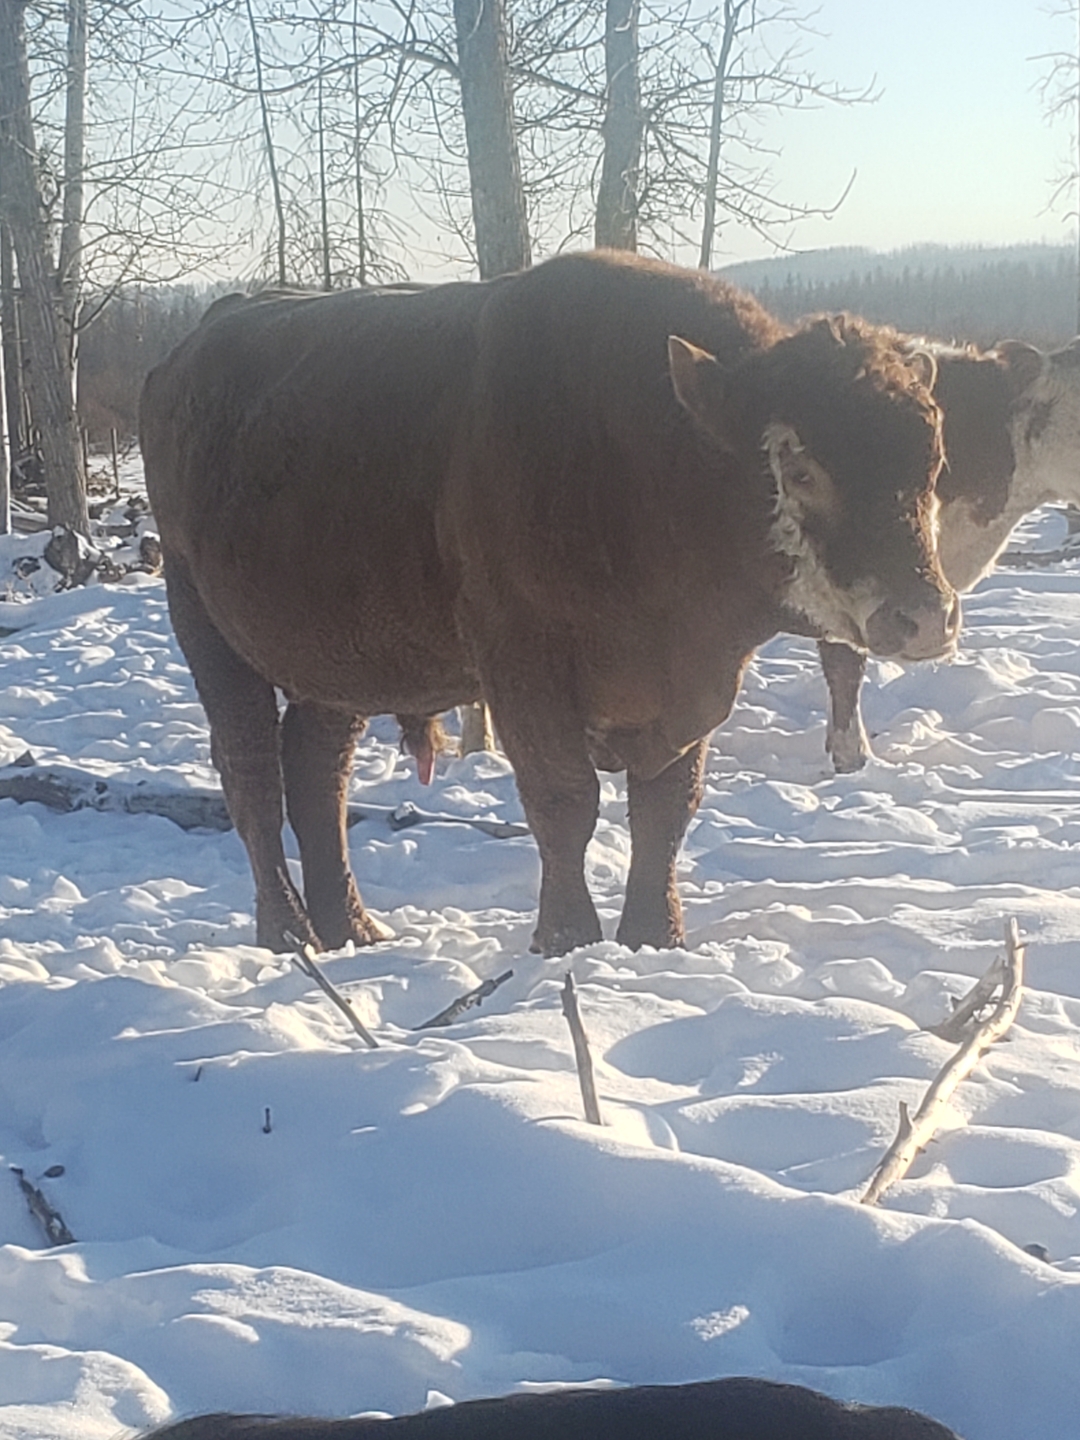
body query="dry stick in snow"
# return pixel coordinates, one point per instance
(581, 1051)
(49, 1218)
(305, 958)
(916, 1131)
(466, 1002)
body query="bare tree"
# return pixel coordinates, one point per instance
(1060, 89)
(5, 458)
(48, 377)
(69, 263)
(622, 126)
(498, 201)
(268, 141)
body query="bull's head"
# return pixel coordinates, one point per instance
(850, 441)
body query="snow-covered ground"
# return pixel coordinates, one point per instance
(270, 1216)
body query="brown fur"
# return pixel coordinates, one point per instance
(975, 394)
(396, 502)
(734, 1409)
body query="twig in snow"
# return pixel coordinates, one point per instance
(466, 1002)
(961, 1022)
(305, 958)
(405, 815)
(915, 1131)
(581, 1051)
(49, 1218)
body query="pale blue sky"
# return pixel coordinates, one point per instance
(957, 149)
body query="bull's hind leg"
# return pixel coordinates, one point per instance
(845, 738)
(244, 743)
(317, 753)
(660, 810)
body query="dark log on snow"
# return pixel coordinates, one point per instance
(66, 789)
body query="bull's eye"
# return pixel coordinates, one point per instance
(798, 476)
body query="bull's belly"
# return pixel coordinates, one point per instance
(362, 653)
(641, 719)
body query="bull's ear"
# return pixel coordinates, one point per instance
(924, 365)
(698, 382)
(1023, 364)
(829, 327)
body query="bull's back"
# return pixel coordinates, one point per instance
(295, 449)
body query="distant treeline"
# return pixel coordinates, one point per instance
(124, 338)
(963, 295)
(999, 299)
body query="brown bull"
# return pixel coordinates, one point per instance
(528, 489)
(739, 1408)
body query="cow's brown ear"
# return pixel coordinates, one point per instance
(829, 327)
(924, 366)
(698, 382)
(1023, 363)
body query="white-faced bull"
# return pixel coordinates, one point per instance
(1011, 425)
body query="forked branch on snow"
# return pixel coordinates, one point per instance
(977, 1035)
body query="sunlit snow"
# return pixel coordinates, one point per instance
(271, 1217)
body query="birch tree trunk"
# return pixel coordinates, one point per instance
(5, 458)
(732, 13)
(498, 200)
(616, 198)
(11, 341)
(48, 373)
(500, 223)
(69, 264)
(268, 141)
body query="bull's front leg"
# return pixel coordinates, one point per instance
(660, 810)
(845, 738)
(544, 740)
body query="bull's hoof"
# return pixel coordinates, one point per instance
(369, 931)
(359, 927)
(285, 937)
(560, 940)
(663, 936)
(849, 749)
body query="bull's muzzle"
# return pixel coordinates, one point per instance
(916, 632)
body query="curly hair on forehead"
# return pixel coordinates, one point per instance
(878, 351)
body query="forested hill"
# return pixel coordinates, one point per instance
(1026, 292)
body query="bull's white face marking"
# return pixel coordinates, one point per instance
(1045, 433)
(803, 487)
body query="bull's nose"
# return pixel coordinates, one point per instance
(922, 633)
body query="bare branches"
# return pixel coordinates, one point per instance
(917, 1130)
(305, 959)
